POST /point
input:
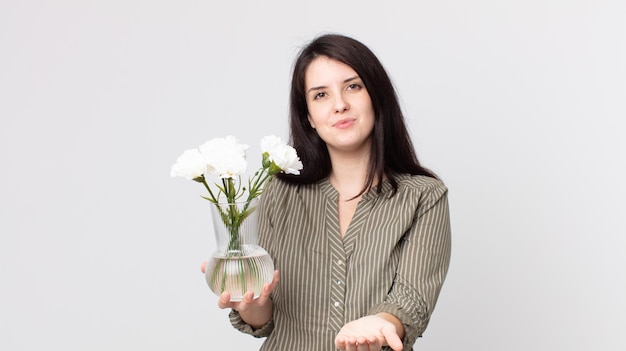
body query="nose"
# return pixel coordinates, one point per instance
(341, 105)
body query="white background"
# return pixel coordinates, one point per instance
(517, 105)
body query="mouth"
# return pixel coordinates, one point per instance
(344, 123)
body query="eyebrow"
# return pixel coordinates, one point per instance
(323, 86)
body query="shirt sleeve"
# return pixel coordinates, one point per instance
(423, 265)
(239, 324)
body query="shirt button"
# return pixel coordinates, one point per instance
(336, 304)
(338, 282)
(339, 262)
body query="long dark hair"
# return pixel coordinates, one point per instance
(391, 149)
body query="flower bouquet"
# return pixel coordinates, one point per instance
(238, 265)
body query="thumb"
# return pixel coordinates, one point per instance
(392, 338)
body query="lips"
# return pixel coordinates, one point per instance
(344, 123)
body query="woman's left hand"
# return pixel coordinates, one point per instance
(369, 333)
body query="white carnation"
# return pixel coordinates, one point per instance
(281, 154)
(224, 156)
(189, 165)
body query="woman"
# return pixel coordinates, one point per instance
(361, 237)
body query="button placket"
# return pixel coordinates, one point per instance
(337, 286)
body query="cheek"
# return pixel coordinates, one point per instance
(311, 122)
(316, 116)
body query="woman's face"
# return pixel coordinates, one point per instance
(340, 108)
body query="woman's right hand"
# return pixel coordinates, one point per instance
(248, 301)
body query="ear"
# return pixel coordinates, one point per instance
(310, 121)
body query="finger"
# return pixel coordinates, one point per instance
(248, 297)
(275, 280)
(265, 295)
(351, 344)
(362, 344)
(345, 342)
(267, 289)
(340, 343)
(244, 303)
(375, 343)
(203, 267)
(224, 300)
(393, 340)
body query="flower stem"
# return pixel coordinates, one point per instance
(214, 199)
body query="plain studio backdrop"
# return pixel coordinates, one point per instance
(519, 106)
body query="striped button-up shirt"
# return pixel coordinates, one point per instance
(393, 258)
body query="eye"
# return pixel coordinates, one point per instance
(354, 86)
(319, 95)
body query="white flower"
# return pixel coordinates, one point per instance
(190, 165)
(224, 156)
(281, 154)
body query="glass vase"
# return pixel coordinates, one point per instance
(238, 264)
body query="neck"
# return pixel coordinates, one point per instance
(349, 173)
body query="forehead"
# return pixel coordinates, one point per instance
(323, 71)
